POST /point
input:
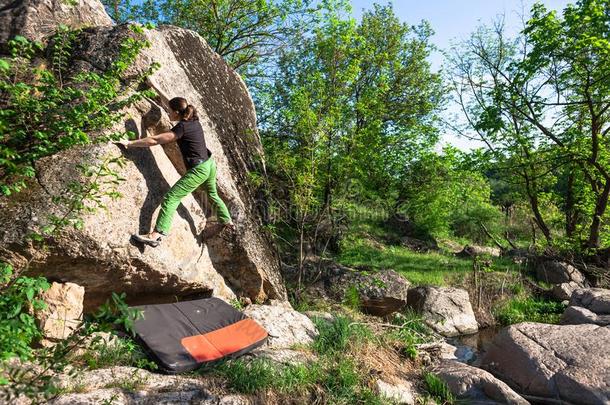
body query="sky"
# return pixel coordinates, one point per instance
(453, 20)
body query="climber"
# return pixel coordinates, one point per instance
(201, 169)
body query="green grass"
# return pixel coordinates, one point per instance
(412, 331)
(528, 309)
(335, 374)
(118, 352)
(434, 268)
(438, 389)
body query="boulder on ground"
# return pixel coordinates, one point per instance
(556, 272)
(564, 291)
(130, 385)
(447, 310)
(100, 256)
(402, 392)
(596, 300)
(580, 315)
(570, 363)
(63, 312)
(475, 385)
(475, 250)
(286, 327)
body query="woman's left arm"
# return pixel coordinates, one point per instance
(159, 139)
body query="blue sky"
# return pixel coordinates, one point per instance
(454, 20)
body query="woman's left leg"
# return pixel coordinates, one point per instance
(183, 187)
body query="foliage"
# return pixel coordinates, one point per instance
(115, 351)
(528, 309)
(438, 389)
(336, 336)
(45, 112)
(18, 329)
(540, 103)
(245, 33)
(412, 331)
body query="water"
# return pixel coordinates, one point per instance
(472, 348)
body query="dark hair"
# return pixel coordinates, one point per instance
(187, 111)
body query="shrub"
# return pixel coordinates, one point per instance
(528, 310)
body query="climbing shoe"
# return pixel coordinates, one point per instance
(147, 240)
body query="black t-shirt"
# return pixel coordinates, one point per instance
(191, 142)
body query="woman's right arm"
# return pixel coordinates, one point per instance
(160, 139)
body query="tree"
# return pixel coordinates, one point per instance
(543, 100)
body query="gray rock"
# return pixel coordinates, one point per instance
(402, 392)
(130, 385)
(555, 272)
(475, 385)
(446, 310)
(596, 300)
(35, 19)
(100, 256)
(381, 293)
(286, 327)
(578, 316)
(474, 250)
(560, 362)
(564, 291)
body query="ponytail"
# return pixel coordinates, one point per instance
(187, 111)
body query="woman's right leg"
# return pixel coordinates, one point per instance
(221, 209)
(183, 187)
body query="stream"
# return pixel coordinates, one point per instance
(471, 348)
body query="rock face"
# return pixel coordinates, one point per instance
(399, 393)
(554, 272)
(475, 385)
(588, 305)
(594, 299)
(63, 312)
(35, 19)
(286, 327)
(564, 291)
(130, 385)
(100, 256)
(446, 310)
(561, 362)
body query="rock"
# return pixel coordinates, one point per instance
(446, 310)
(285, 356)
(35, 19)
(313, 315)
(579, 316)
(475, 385)
(474, 250)
(564, 291)
(596, 300)
(418, 245)
(570, 363)
(99, 256)
(286, 327)
(63, 312)
(381, 293)
(555, 272)
(130, 385)
(402, 392)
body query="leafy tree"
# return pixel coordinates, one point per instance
(243, 32)
(540, 102)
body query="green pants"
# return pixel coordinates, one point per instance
(202, 174)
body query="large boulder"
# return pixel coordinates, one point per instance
(35, 19)
(556, 272)
(570, 363)
(475, 250)
(99, 256)
(447, 310)
(475, 385)
(286, 327)
(580, 315)
(596, 300)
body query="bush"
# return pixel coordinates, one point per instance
(528, 310)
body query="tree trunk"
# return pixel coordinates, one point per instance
(600, 209)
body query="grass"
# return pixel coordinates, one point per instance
(336, 376)
(433, 268)
(528, 309)
(412, 331)
(117, 352)
(438, 389)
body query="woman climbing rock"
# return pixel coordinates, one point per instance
(201, 169)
